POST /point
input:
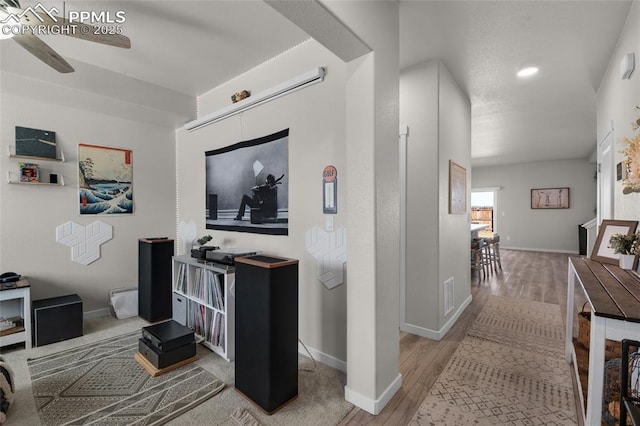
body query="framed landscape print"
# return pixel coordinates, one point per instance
(550, 198)
(105, 180)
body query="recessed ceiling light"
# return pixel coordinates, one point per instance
(527, 71)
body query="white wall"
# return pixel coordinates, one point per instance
(29, 215)
(439, 118)
(453, 241)
(520, 226)
(419, 111)
(316, 118)
(616, 101)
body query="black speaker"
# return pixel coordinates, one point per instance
(154, 278)
(213, 206)
(267, 330)
(56, 319)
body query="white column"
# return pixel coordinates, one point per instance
(350, 29)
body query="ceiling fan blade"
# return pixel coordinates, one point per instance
(85, 32)
(42, 51)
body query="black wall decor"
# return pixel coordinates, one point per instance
(35, 142)
(247, 186)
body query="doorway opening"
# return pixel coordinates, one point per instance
(483, 209)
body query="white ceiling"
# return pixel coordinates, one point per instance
(482, 43)
(193, 46)
(187, 46)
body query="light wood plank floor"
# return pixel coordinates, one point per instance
(526, 275)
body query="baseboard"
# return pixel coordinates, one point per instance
(502, 246)
(437, 334)
(370, 405)
(326, 359)
(104, 312)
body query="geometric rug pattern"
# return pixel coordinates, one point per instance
(101, 383)
(509, 369)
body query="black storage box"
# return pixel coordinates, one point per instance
(168, 335)
(56, 319)
(161, 359)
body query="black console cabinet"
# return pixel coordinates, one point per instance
(267, 330)
(154, 279)
(56, 319)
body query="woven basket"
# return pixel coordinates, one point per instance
(612, 349)
(611, 392)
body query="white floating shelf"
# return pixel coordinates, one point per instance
(11, 154)
(15, 180)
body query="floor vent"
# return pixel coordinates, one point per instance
(448, 296)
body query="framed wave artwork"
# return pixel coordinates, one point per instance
(105, 180)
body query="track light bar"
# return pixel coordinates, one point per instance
(316, 75)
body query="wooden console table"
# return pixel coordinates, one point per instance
(614, 297)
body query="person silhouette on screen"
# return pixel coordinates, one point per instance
(255, 201)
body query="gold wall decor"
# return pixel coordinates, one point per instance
(632, 151)
(238, 96)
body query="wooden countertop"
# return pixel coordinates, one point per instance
(611, 291)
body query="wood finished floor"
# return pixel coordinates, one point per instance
(525, 275)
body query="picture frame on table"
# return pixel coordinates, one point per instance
(601, 250)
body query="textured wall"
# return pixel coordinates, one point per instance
(30, 214)
(520, 226)
(315, 117)
(616, 101)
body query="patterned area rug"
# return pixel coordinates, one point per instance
(508, 370)
(102, 383)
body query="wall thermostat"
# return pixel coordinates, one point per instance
(627, 65)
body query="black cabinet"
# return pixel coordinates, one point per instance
(154, 279)
(267, 330)
(56, 319)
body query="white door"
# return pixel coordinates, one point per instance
(605, 178)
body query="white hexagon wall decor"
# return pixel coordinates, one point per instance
(330, 250)
(85, 241)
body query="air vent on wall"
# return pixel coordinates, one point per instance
(448, 296)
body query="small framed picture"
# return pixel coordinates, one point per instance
(601, 250)
(29, 172)
(457, 188)
(330, 190)
(550, 198)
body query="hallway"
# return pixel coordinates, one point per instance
(535, 276)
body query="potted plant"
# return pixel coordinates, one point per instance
(199, 242)
(627, 246)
